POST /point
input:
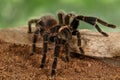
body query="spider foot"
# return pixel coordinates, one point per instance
(41, 66)
(105, 34)
(67, 59)
(31, 54)
(111, 25)
(52, 78)
(81, 51)
(53, 73)
(30, 32)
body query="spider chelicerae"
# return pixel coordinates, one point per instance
(60, 32)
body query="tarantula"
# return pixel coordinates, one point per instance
(49, 29)
(61, 32)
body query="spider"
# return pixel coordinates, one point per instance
(60, 32)
(50, 30)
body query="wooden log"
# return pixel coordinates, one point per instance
(93, 43)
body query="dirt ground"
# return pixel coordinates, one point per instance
(17, 64)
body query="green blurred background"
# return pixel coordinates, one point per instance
(16, 13)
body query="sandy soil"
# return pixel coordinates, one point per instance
(17, 64)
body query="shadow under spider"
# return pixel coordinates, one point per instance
(115, 61)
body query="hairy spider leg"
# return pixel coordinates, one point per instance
(67, 19)
(45, 47)
(79, 41)
(34, 41)
(74, 25)
(58, 41)
(65, 30)
(105, 23)
(30, 23)
(93, 21)
(56, 55)
(61, 18)
(67, 52)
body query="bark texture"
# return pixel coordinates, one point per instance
(96, 45)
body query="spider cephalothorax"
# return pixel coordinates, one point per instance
(61, 32)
